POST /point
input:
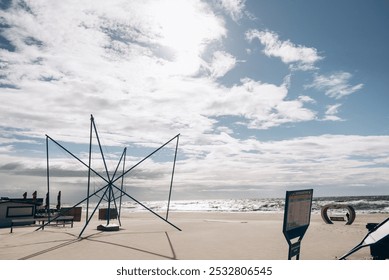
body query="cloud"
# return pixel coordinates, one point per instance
(235, 8)
(71, 60)
(222, 62)
(298, 56)
(248, 166)
(263, 105)
(138, 67)
(331, 112)
(335, 85)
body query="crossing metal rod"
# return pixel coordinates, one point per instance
(119, 177)
(94, 211)
(120, 160)
(171, 180)
(68, 210)
(116, 207)
(121, 187)
(101, 150)
(48, 176)
(144, 206)
(83, 163)
(110, 182)
(89, 165)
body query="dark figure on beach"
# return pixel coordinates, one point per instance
(59, 201)
(348, 216)
(25, 195)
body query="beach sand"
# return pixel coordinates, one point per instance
(204, 236)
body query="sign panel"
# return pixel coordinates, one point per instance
(20, 211)
(298, 212)
(297, 216)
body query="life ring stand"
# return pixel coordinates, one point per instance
(350, 210)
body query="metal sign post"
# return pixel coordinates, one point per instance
(297, 217)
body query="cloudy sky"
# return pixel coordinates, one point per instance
(267, 96)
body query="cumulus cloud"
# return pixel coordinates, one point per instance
(298, 56)
(335, 85)
(262, 105)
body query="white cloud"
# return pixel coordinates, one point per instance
(263, 105)
(307, 99)
(222, 62)
(92, 57)
(300, 57)
(235, 8)
(331, 112)
(335, 85)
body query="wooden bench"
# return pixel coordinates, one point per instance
(42, 221)
(65, 220)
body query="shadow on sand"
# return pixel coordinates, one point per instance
(95, 238)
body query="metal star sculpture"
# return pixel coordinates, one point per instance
(110, 189)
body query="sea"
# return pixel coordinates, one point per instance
(361, 204)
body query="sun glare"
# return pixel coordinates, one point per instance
(185, 27)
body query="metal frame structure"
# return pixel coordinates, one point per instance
(110, 186)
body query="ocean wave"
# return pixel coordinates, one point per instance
(365, 204)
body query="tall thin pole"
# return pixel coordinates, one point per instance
(48, 176)
(121, 187)
(90, 160)
(97, 206)
(101, 150)
(109, 203)
(171, 180)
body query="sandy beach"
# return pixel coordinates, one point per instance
(204, 236)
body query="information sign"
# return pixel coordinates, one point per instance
(297, 216)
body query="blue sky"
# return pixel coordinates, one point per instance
(268, 96)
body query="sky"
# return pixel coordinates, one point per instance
(267, 96)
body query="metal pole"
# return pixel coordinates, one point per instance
(109, 204)
(121, 187)
(116, 208)
(101, 150)
(90, 160)
(171, 181)
(144, 159)
(144, 206)
(120, 160)
(97, 206)
(78, 159)
(68, 210)
(48, 177)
